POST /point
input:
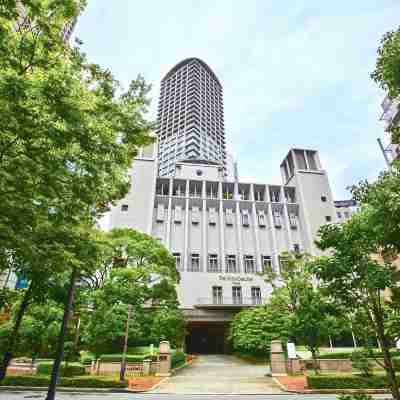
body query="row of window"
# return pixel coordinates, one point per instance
(232, 266)
(237, 295)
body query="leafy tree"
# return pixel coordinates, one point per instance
(167, 323)
(387, 71)
(141, 272)
(314, 321)
(356, 279)
(68, 135)
(252, 330)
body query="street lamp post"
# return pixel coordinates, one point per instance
(125, 350)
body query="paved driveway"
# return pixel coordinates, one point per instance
(220, 374)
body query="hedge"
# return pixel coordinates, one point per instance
(178, 358)
(347, 382)
(77, 382)
(72, 369)
(345, 355)
(142, 350)
(129, 357)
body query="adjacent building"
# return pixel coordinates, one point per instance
(345, 209)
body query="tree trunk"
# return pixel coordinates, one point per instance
(51, 393)
(385, 348)
(315, 362)
(12, 340)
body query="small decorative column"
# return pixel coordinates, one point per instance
(164, 359)
(278, 362)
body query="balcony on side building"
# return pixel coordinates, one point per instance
(228, 302)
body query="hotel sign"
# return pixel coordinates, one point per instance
(235, 278)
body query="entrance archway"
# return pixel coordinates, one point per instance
(207, 338)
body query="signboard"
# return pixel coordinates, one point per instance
(291, 350)
(235, 278)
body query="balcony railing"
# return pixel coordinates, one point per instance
(218, 301)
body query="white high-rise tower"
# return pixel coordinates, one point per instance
(190, 116)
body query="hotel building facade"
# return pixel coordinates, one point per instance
(222, 231)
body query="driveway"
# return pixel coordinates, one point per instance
(220, 374)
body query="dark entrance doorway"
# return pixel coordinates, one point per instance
(206, 338)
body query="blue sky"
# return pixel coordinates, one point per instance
(295, 73)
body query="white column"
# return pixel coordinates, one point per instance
(186, 258)
(222, 235)
(256, 237)
(286, 217)
(275, 255)
(239, 238)
(204, 247)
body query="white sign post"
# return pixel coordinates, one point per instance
(291, 350)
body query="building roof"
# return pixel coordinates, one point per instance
(187, 61)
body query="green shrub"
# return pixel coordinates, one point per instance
(361, 362)
(79, 382)
(129, 357)
(359, 396)
(72, 369)
(396, 363)
(345, 355)
(143, 350)
(347, 382)
(178, 358)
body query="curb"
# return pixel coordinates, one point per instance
(61, 389)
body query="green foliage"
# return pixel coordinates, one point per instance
(331, 381)
(387, 72)
(168, 324)
(72, 369)
(314, 320)
(361, 362)
(129, 357)
(135, 269)
(252, 330)
(178, 358)
(357, 396)
(75, 382)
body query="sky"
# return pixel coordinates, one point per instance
(295, 73)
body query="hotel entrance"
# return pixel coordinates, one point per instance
(207, 338)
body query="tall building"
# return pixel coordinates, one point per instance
(190, 116)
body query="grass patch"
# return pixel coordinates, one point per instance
(72, 369)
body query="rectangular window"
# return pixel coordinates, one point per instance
(256, 295)
(261, 219)
(249, 266)
(195, 215)
(229, 216)
(231, 266)
(346, 214)
(328, 218)
(266, 263)
(213, 263)
(237, 295)
(293, 220)
(212, 216)
(217, 295)
(178, 261)
(339, 214)
(277, 219)
(194, 263)
(178, 214)
(160, 212)
(124, 207)
(296, 248)
(245, 218)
